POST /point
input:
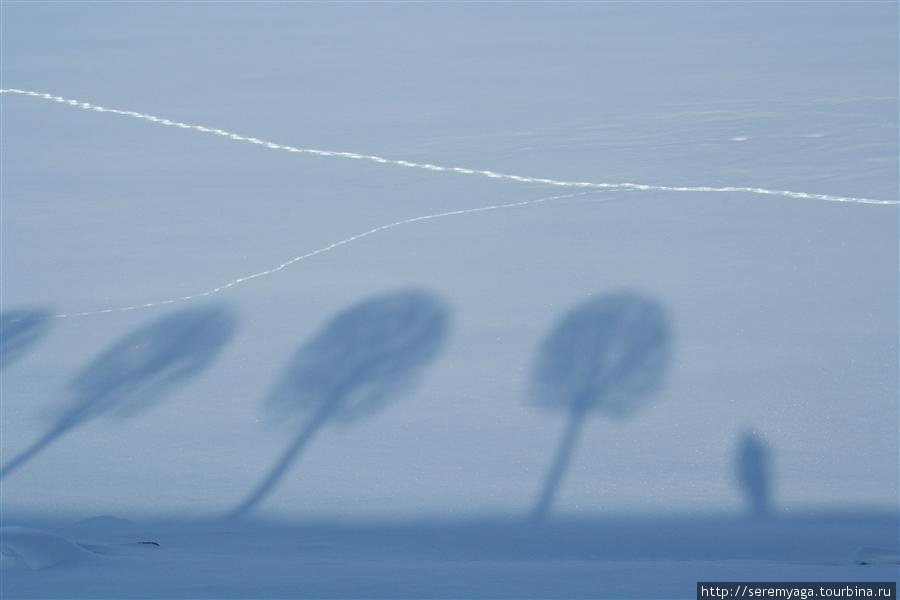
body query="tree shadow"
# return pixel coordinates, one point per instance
(607, 355)
(752, 468)
(139, 371)
(369, 353)
(19, 330)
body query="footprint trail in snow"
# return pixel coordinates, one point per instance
(595, 186)
(323, 249)
(439, 168)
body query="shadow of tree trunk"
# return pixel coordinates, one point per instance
(559, 467)
(35, 448)
(283, 465)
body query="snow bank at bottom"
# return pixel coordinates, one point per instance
(617, 556)
(24, 548)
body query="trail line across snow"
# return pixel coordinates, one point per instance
(594, 186)
(439, 168)
(321, 250)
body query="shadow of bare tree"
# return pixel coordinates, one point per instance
(607, 355)
(138, 371)
(19, 331)
(366, 355)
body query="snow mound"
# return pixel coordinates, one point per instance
(24, 548)
(106, 522)
(876, 556)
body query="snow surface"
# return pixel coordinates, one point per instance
(738, 419)
(24, 548)
(618, 556)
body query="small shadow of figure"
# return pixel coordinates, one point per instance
(607, 355)
(138, 371)
(366, 355)
(19, 331)
(753, 474)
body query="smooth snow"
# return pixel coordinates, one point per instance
(731, 411)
